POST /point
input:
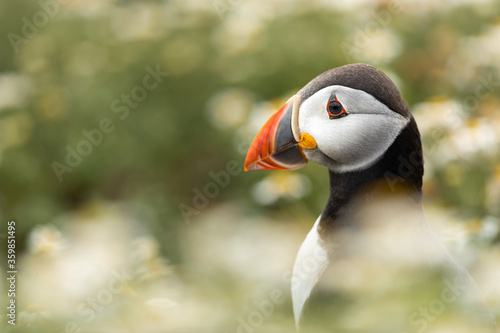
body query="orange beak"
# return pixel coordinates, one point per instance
(276, 146)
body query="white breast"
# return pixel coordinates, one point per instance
(310, 264)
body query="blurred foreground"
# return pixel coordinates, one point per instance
(102, 272)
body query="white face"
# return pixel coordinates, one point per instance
(353, 142)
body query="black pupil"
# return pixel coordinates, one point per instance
(335, 108)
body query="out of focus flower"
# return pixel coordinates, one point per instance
(150, 264)
(455, 234)
(438, 113)
(146, 248)
(147, 21)
(161, 302)
(281, 185)
(239, 34)
(474, 52)
(33, 315)
(89, 8)
(247, 248)
(46, 240)
(478, 135)
(101, 264)
(487, 274)
(90, 251)
(490, 228)
(458, 138)
(14, 89)
(376, 48)
(230, 108)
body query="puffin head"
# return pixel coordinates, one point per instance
(346, 119)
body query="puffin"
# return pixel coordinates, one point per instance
(371, 247)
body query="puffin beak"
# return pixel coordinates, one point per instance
(278, 145)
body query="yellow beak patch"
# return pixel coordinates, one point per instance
(307, 141)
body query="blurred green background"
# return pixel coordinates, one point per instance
(132, 198)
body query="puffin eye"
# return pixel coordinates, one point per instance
(334, 108)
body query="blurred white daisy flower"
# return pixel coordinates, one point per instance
(281, 185)
(46, 240)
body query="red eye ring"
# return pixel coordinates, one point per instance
(335, 109)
